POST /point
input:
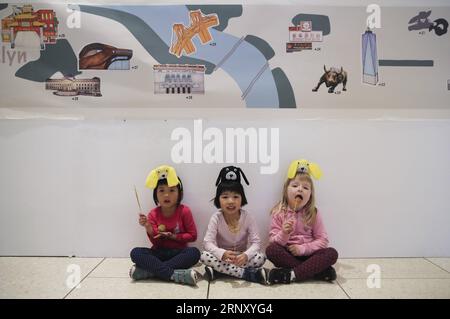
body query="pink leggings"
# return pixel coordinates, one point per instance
(305, 267)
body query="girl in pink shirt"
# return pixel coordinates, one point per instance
(169, 227)
(232, 244)
(298, 239)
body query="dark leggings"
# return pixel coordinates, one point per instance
(305, 267)
(162, 262)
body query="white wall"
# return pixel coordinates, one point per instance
(67, 186)
(67, 171)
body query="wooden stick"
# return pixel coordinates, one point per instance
(137, 198)
(296, 204)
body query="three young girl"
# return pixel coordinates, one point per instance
(297, 240)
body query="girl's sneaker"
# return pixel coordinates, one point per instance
(137, 273)
(280, 276)
(209, 273)
(328, 274)
(185, 276)
(255, 275)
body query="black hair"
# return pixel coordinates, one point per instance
(163, 181)
(229, 187)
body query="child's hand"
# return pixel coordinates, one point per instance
(229, 256)
(288, 226)
(165, 235)
(142, 219)
(240, 260)
(294, 250)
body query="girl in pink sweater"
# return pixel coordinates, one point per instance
(298, 239)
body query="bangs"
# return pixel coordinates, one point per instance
(162, 181)
(303, 177)
(230, 187)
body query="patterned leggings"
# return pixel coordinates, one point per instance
(305, 267)
(223, 267)
(162, 262)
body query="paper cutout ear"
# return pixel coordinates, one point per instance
(172, 179)
(315, 170)
(219, 178)
(245, 177)
(292, 169)
(152, 179)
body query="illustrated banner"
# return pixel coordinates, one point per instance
(224, 56)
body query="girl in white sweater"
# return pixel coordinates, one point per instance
(232, 243)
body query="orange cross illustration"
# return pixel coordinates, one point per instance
(200, 25)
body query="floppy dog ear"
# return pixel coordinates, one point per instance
(292, 169)
(315, 171)
(220, 176)
(243, 175)
(172, 179)
(152, 179)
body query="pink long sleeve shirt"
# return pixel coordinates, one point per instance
(309, 238)
(219, 238)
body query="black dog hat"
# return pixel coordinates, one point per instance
(231, 174)
(229, 179)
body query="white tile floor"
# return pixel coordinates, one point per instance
(47, 277)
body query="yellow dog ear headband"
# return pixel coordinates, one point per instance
(303, 166)
(162, 172)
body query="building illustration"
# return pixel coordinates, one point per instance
(69, 86)
(301, 37)
(179, 79)
(369, 58)
(25, 19)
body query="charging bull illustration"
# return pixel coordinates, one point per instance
(332, 78)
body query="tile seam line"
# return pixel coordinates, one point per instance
(345, 292)
(207, 292)
(436, 265)
(104, 258)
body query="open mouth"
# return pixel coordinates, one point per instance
(299, 197)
